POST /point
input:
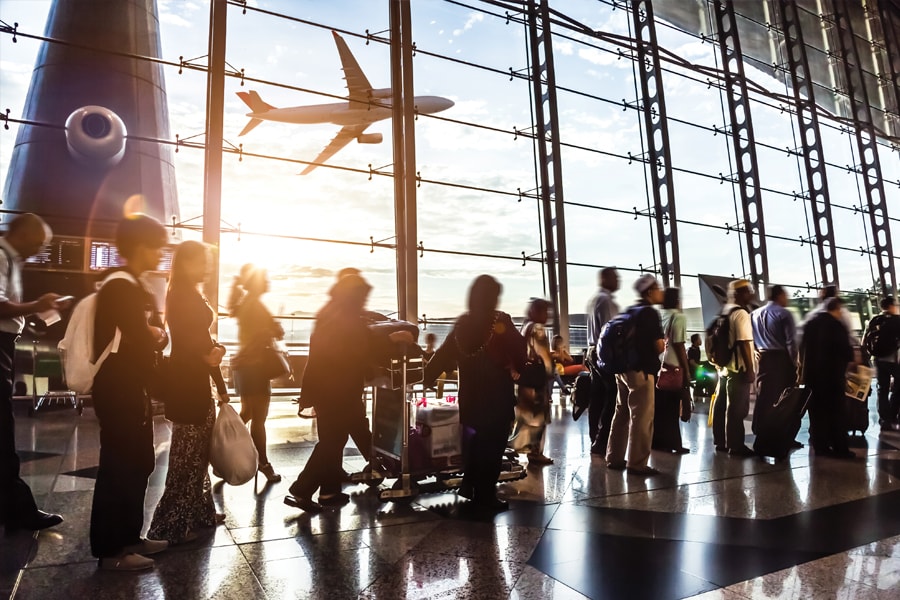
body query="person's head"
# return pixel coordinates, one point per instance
(350, 292)
(538, 310)
(190, 264)
(671, 298)
(740, 292)
(430, 339)
(609, 279)
(829, 291)
(558, 343)
(254, 280)
(833, 307)
(695, 339)
(139, 239)
(647, 287)
(27, 234)
(484, 295)
(889, 305)
(778, 295)
(347, 271)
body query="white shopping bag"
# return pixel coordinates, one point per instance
(231, 451)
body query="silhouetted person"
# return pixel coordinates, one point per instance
(825, 353)
(26, 236)
(601, 308)
(490, 353)
(881, 341)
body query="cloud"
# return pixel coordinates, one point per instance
(470, 23)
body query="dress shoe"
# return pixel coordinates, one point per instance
(304, 504)
(645, 471)
(491, 504)
(742, 452)
(39, 520)
(539, 459)
(721, 448)
(682, 450)
(796, 445)
(337, 499)
(466, 491)
(126, 562)
(146, 547)
(616, 465)
(843, 454)
(598, 448)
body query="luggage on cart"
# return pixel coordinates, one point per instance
(778, 430)
(857, 414)
(856, 398)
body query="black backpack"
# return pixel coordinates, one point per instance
(879, 339)
(718, 349)
(616, 350)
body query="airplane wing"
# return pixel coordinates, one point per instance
(358, 86)
(343, 137)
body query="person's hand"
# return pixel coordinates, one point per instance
(402, 337)
(46, 302)
(159, 335)
(224, 399)
(216, 353)
(514, 374)
(279, 331)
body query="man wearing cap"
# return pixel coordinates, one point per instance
(632, 424)
(601, 308)
(728, 416)
(774, 335)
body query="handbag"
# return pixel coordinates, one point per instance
(670, 379)
(533, 375)
(274, 363)
(232, 454)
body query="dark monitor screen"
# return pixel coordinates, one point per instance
(104, 256)
(62, 253)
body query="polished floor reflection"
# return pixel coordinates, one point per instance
(710, 526)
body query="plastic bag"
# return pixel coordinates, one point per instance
(231, 451)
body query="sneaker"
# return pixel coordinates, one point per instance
(146, 547)
(645, 471)
(126, 562)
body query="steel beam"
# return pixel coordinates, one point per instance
(870, 165)
(891, 54)
(657, 134)
(212, 171)
(743, 142)
(543, 81)
(810, 140)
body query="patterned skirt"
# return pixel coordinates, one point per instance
(187, 502)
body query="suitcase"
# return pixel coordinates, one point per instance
(856, 414)
(776, 433)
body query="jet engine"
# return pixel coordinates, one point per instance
(95, 136)
(380, 93)
(369, 138)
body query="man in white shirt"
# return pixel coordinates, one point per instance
(26, 236)
(737, 377)
(604, 389)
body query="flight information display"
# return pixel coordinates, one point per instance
(104, 256)
(62, 253)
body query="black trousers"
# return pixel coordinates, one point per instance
(324, 469)
(888, 401)
(604, 390)
(776, 373)
(16, 500)
(126, 461)
(828, 419)
(483, 450)
(359, 430)
(666, 417)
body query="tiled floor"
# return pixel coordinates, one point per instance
(709, 527)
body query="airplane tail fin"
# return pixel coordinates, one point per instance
(251, 124)
(254, 102)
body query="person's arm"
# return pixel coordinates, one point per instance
(128, 303)
(790, 334)
(443, 361)
(221, 388)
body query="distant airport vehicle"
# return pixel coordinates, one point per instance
(354, 116)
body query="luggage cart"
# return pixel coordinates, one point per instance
(49, 365)
(398, 455)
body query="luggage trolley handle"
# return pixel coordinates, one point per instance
(404, 451)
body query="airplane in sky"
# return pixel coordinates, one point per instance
(354, 116)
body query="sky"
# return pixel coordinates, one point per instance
(269, 196)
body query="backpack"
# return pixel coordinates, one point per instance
(717, 343)
(581, 395)
(616, 350)
(878, 339)
(76, 349)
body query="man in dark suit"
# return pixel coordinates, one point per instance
(825, 353)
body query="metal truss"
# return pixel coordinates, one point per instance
(810, 140)
(543, 81)
(743, 142)
(870, 165)
(891, 78)
(657, 133)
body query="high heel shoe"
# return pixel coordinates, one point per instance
(269, 472)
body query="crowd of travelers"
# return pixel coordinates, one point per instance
(640, 365)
